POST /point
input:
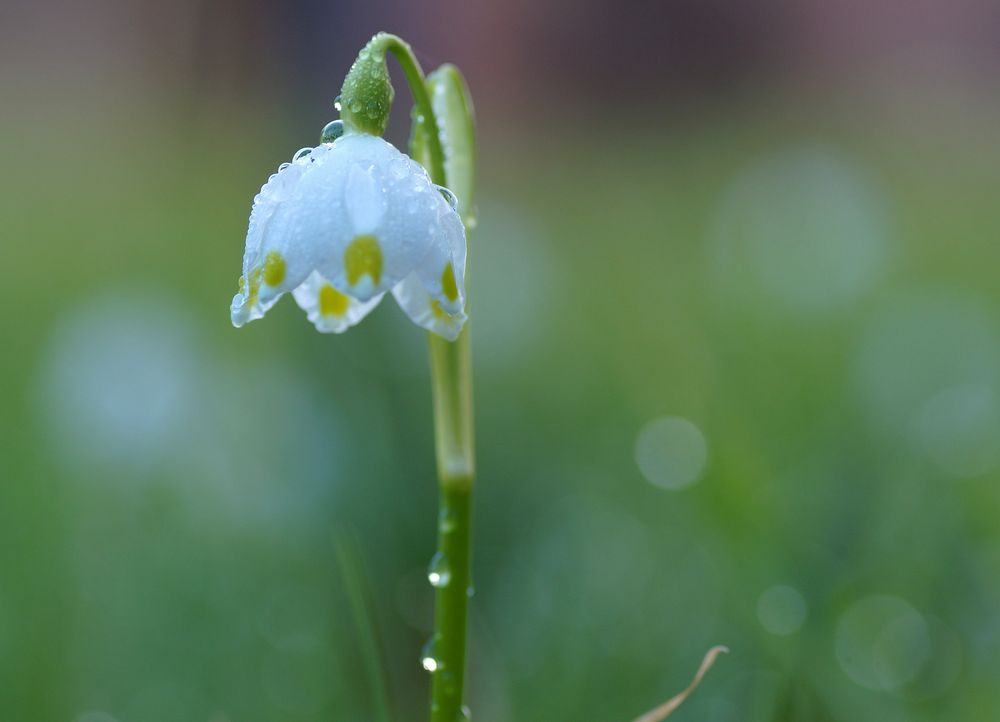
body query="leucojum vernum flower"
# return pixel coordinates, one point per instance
(343, 224)
(351, 219)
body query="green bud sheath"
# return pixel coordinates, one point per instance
(367, 95)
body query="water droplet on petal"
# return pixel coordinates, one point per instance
(336, 104)
(429, 659)
(283, 166)
(301, 153)
(439, 571)
(331, 131)
(399, 168)
(448, 196)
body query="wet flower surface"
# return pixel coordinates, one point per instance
(343, 224)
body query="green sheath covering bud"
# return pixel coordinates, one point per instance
(366, 97)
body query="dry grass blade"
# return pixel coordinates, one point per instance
(665, 709)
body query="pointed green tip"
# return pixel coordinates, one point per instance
(367, 94)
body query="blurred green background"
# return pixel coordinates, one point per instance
(736, 335)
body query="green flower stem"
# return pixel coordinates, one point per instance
(451, 604)
(386, 43)
(452, 387)
(451, 376)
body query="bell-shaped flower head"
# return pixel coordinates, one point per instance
(344, 223)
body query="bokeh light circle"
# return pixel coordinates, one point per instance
(781, 609)
(882, 642)
(805, 227)
(671, 452)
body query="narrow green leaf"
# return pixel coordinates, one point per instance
(456, 123)
(352, 571)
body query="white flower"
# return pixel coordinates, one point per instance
(343, 224)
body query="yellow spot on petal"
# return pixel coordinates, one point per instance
(242, 283)
(448, 283)
(332, 302)
(363, 257)
(439, 312)
(254, 282)
(274, 269)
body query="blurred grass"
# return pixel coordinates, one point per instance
(150, 592)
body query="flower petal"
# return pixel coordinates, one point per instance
(425, 310)
(330, 310)
(264, 266)
(363, 199)
(339, 200)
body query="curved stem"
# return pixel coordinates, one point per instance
(451, 377)
(401, 50)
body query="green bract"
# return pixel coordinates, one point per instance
(367, 94)
(452, 105)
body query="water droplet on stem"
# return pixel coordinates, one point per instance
(439, 571)
(446, 519)
(429, 659)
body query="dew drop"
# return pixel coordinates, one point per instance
(331, 131)
(429, 659)
(355, 106)
(337, 104)
(283, 166)
(439, 571)
(446, 517)
(301, 153)
(399, 168)
(373, 109)
(448, 196)
(464, 714)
